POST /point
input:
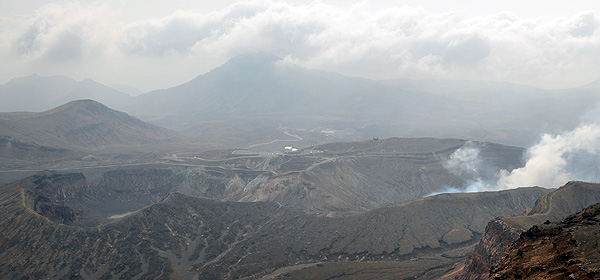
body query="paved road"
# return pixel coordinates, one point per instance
(298, 138)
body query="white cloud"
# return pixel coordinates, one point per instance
(95, 41)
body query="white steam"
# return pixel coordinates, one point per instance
(551, 163)
(464, 162)
(557, 159)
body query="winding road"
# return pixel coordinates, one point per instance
(298, 138)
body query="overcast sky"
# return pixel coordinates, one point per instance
(158, 44)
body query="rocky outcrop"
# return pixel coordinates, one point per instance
(492, 247)
(50, 195)
(503, 231)
(563, 250)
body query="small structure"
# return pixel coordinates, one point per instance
(291, 150)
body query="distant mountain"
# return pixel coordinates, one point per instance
(252, 96)
(262, 90)
(80, 125)
(259, 84)
(130, 90)
(187, 237)
(36, 93)
(595, 86)
(475, 92)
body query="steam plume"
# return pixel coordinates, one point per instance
(464, 162)
(557, 159)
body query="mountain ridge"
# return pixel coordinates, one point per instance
(83, 124)
(38, 93)
(270, 91)
(266, 92)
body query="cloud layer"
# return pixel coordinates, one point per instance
(90, 40)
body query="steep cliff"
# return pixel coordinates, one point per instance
(563, 250)
(491, 248)
(502, 232)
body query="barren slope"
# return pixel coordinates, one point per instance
(186, 236)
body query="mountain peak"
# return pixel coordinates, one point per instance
(254, 58)
(88, 105)
(244, 67)
(82, 124)
(250, 62)
(593, 85)
(37, 78)
(39, 93)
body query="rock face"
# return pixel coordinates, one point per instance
(503, 231)
(563, 250)
(492, 247)
(184, 236)
(47, 195)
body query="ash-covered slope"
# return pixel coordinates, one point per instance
(567, 249)
(344, 179)
(567, 200)
(354, 177)
(15, 152)
(83, 124)
(36, 93)
(184, 236)
(502, 232)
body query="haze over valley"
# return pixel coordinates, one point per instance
(285, 140)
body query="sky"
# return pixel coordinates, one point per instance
(160, 44)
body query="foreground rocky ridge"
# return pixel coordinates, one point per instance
(503, 231)
(186, 236)
(562, 250)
